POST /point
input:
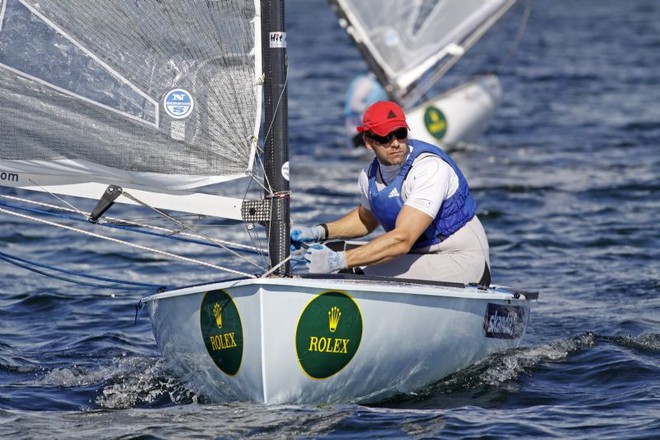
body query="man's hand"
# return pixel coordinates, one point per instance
(322, 259)
(303, 234)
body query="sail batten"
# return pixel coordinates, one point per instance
(201, 204)
(162, 96)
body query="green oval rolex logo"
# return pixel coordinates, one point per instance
(328, 334)
(435, 122)
(222, 330)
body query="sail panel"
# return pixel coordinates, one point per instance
(413, 36)
(140, 92)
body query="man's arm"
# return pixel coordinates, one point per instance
(410, 224)
(357, 223)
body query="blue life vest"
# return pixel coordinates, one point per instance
(453, 214)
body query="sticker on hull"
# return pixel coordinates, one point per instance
(222, 330)
(328, 334)
(504, 321)
(435, 122)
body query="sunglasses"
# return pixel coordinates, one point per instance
(399, 133)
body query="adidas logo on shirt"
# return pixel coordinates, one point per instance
(393, 193)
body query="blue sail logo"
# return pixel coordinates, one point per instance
(178, 103)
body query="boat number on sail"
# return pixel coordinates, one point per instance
(222, 330)
(504, 322)
(435, 122)
(328, 334)
(178, 103)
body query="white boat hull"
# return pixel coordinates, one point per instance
(329, 340)
(462, 114)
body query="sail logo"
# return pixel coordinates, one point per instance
(277, 40)
(9, 177)
(328, 335)
(435, 122)
(178, 103)
(504, 321)
(222, 330)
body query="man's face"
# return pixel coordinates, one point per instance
(391, 149)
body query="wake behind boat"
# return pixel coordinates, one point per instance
(153, 104)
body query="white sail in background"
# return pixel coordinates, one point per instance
(404, 41)
(163, 99)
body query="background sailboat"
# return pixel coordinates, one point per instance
(159, 104)
(409, 46)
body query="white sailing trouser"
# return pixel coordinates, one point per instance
(461, 258)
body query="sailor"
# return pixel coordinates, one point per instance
(421, 199)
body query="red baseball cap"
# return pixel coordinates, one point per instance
(383, 117)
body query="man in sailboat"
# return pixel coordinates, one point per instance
(417, 193)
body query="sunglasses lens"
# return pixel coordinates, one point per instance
(381, 139)
(399, 133)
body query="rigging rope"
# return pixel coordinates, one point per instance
(133, 245)
(117, 284)
(112, 222)
(516, 44)
(183, 226)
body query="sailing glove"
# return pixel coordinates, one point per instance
(307, 235)
(322, 259)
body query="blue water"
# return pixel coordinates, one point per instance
(567, 180)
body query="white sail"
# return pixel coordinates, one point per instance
(146, 96)
(404, 40)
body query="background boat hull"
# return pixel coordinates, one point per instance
(461, 114)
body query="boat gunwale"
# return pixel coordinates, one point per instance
(362, 283)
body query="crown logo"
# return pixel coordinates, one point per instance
(217, 312)
(333, 316)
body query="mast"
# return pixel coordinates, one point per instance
(276, 146)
